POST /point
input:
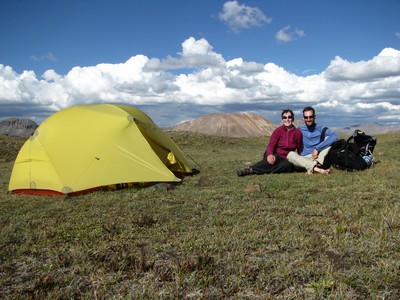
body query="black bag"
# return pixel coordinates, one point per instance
(354, 155)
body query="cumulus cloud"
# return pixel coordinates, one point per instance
(286, 35)
(195, 54)
(386, 64)
(238, 16)
(344, 93)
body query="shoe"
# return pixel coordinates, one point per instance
(244, 172)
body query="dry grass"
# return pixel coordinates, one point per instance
(293, 237)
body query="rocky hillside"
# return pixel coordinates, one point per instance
(234, 125)
(17, 127)
(9, 147)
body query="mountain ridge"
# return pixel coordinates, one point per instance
(220, 124)
(371, 128)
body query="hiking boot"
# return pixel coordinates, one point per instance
(244, 172)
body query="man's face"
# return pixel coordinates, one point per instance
(308, 117)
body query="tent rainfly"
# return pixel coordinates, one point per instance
(90, 147)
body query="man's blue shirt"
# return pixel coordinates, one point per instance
(312, 138)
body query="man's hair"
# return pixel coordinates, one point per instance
(308, 108)
(285, 111)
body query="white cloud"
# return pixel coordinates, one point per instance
(386, 64)
(51, 75)
(345, 91)
(285, 35)
(195, 54)
(49, 56)
(238, 16)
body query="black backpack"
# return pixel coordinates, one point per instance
(353, 154)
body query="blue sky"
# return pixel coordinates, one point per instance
(178, 60)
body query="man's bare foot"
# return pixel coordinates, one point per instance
(321, 171)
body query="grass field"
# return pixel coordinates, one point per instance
(216, 235)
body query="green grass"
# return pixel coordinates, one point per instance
(296, 237)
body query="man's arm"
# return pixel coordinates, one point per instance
(330, 138)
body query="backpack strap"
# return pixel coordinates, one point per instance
(323, 134)
(349, 140)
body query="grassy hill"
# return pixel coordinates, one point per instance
(216, 235)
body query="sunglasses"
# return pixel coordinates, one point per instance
(308, 117)
(287, 117)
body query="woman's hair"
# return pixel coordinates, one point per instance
(285, 111)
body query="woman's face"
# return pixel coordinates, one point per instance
(287, 119)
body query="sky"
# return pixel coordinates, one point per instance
(180, 59)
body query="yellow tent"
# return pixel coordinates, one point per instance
(93, 146)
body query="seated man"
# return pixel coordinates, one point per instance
(317, 141)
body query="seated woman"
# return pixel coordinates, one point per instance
(284, 139)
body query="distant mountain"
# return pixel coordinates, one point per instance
(234, 125)
(17, 127)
